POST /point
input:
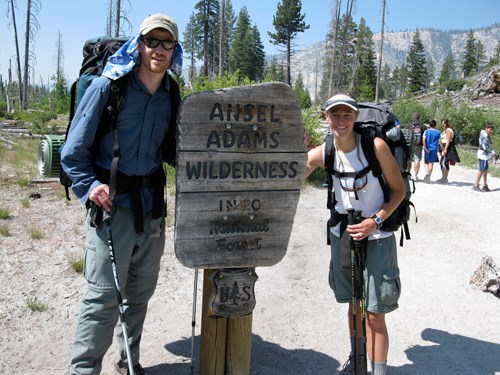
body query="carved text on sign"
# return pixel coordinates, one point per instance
(245, 139)
(261, 113)
(241, 169)
(229, 205)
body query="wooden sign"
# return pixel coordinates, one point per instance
(240, 167)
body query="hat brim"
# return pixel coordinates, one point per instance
(335, 103)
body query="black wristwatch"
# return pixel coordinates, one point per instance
(377, 221)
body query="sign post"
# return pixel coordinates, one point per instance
(240, 167)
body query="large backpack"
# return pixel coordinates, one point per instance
(96, 52)
(377, 120)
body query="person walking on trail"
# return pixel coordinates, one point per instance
(484, 154)
(418, 131)
(137, 210)
(431, 144)
(381, 275)
(449, 154)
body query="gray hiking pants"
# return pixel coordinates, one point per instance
(137, 259)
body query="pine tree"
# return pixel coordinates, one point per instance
(227, 36)
(495, 58)
(417, 65)
(240, 58)
(366, 72)
(448, 71)
(208, 19)
(480, 55)
(191, 43)
(302, 92)
(469, 63)
(288, 22)
(258, 55)
(274, 72)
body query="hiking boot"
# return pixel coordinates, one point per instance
(122, 369)
(475, 188)
(348, 368)
(486, 188)
(442, 180)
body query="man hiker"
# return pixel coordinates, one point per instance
(132, 193)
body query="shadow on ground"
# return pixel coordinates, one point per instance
(446, 354)
(267, 359)
(451, 354)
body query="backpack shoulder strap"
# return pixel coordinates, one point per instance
(329, 162)
(117, 95)
(169, 143)
(367, 144)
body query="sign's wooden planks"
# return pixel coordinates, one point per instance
(240, 167)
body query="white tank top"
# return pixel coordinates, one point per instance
(370, 197)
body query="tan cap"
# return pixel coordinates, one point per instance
(159, 21)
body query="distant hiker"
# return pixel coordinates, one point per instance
(484, 154)
(431, 145)
(449, 154)
(137, 210)
(418, 133)
(363, 193)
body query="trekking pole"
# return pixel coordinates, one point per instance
(193, 319)
(357, 286)
(360, 250)
(107, 222)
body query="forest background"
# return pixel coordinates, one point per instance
(224, 47)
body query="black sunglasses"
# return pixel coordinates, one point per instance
(153, 43)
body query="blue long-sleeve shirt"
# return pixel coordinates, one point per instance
(484, 142)
(142, 122)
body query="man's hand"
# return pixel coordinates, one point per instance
(100, 196)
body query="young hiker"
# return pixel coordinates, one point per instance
(449, 154)
(484, 154)
(418, 131)
(381, 275)
(137, 209)
(431, 143)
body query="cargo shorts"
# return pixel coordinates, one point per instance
(381, 275)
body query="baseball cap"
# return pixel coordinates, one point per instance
(159, 21)
(341, 99)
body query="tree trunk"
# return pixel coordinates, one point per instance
(24, 103)
(379, 68)
(288, 60)
(18, 56)
(335, 26)
(117, 18)
(221, 39)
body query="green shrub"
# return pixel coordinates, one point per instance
(312, 124)
(35, 305)
(4, 213)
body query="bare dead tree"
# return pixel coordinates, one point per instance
(344, 41)
(117, 17)
(379, 67)
(16, 41)
(109, 21)
(118, 8)
(334, 26)
(221, 38)
(59, 58)
(32, 27)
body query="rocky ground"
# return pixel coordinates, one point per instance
(445, 325)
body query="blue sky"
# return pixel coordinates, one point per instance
(81, 20)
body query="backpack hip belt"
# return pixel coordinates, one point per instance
(133, 185)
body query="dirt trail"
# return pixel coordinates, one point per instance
(444, 325)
